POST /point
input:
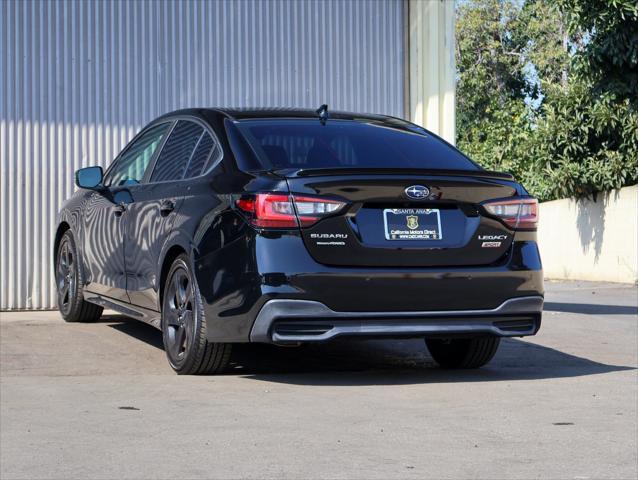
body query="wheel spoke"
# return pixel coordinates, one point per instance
(64, 294)
(179, 339)
(171, 301)
(181, 292)
(62, 260)
(60, 275)
(173, 346)
(188, 293)
(177, 287)
(172, 294)
(176, 301)
(171, 318)
(65, 254)
(61, 269)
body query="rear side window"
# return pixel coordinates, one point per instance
(206, 153)
(305, 143)
(176, 153)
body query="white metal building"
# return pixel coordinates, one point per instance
(79, 78)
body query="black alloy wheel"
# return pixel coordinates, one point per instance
(66, 277)
(184, 325)
(179, 315)
(69, 284)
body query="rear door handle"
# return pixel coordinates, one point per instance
(166, 207)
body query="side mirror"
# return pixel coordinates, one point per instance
(89, 178)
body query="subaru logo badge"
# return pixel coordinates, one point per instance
(418, 192)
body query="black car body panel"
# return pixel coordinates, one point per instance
(282, 268)
(364, 243)
(130, 233)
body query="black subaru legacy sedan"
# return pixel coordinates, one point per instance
(222, 226)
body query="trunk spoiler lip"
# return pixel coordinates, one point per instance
(317, 172)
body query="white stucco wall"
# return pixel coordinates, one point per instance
(432, 86)
(587, 240)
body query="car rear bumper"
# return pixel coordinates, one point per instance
(291, 321)
(237, 282)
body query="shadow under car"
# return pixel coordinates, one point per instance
(347, 362)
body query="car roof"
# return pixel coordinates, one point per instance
(275, 112)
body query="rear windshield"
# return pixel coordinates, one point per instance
(305, 143)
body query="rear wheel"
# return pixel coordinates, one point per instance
(184, 325)
(463, 352)
(69, 284)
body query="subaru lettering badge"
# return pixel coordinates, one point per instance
(418, 192)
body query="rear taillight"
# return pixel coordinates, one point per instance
(267, 210)
(273, 210)
(517, 213)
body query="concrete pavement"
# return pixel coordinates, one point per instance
(99, 401)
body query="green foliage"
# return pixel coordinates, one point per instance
(491, 75)
(583, 145)
(610, 59)
(536, 98)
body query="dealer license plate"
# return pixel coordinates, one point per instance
(412, 224)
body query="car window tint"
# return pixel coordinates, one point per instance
(176, 153)
(206, 149)
(301, 143)
(132, 164)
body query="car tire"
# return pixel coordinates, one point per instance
(69, 283)
(184, 325)
(463, 352)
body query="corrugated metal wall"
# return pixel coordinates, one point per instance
(79, 79)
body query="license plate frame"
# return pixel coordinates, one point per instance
(425, 224)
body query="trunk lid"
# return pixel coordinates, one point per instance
(383, 227)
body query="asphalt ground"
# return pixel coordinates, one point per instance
(100, 401)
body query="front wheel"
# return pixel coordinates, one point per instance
(184, 325)
(69, 284)
(463, 352)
